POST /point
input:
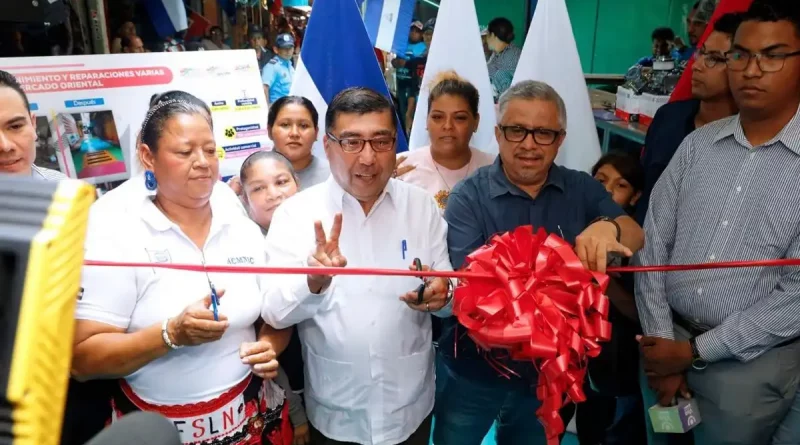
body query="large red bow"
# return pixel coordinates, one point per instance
(542, 305)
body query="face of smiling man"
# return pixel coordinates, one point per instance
(17, 133)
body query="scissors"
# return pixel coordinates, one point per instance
(421, 288)
(214, 300)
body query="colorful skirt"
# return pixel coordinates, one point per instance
(254, 412)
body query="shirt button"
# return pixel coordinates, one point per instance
(724, 223)
(738, 189)
(712, 257)
(700, 291)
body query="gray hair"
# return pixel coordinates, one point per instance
(530, 90)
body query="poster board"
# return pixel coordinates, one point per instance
(89, 109)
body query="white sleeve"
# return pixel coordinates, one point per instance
(109, 294)
(288, 300)
(439, 251)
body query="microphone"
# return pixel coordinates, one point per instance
(139, 428)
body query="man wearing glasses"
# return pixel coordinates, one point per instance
(522, 187)
(367, 343)
(730, 336)
(674, 121)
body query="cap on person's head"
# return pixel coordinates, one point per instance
(417, 24)
(429, 25)
(284, 41)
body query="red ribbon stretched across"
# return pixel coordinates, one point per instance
(541, 305)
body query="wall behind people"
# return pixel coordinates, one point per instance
(611, 33)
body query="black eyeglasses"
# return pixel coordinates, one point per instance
(710, 60)
(739, 60)
(542, 136)
(355, 145)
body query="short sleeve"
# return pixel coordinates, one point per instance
(268, 73)
(598, 201)
(108, 294)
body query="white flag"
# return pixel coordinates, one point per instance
(550, 55)
(457, 46)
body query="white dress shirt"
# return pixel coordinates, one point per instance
(368, 356)
(125, 225)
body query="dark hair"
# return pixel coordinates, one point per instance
(276, 107)
(502, 28)
(9, 81)
(263, 155)
(255, 34)
(450, 83)
(728, 23)
(357, 100)
(774, 11)
(165, 106)
(626, 164)
(127, 41)
(663, 34)
(696, 5)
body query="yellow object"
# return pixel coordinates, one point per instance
(40, 365)
(220, 153)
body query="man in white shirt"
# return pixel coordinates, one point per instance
(366, 339)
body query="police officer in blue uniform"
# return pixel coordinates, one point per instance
(278, 73)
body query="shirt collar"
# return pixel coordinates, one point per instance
(36, 173)
(339, 195)
(223, 213)
(500, 185)
(786, 136)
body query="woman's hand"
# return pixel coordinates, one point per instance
(196, 325)
(400, 169)
(261, 358)
(302, 435)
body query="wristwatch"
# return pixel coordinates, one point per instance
(697, 362)
(450, 293)
(607, 219)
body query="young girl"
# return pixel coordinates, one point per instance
(268, 179)
(613, 414)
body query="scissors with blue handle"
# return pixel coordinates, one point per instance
(214, 301)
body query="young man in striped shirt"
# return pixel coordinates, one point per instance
(730, 336)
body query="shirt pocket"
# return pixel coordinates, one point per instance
(333, 383)
(413, 375)
(401, 261)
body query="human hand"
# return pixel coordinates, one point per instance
(326, 254)
(261, 358)
(663, 357)
(196, 325)
(434, 297)
(400, 169)
(667, 388)
(235, 183)
(595, 243)
(302, 435)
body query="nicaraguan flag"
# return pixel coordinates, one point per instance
(388, 23)
(168, 16)
(326, 67)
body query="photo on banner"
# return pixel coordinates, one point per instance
(89, 109)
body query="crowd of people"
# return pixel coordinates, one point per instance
(338, 359)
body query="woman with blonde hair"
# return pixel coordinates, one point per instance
(452, 120)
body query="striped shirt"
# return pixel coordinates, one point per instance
(502, 66)
(46, 174)
(721, 199)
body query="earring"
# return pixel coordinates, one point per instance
(150, 180)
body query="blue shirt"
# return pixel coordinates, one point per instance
(671, 124)
(278, 74)
(413, 50)
(487, 203)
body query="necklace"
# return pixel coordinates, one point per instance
(442, 195)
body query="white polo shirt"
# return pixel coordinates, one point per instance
(125, 225)
(368, 356)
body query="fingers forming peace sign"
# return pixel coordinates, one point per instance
(326, 254)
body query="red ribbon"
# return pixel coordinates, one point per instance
(541, 305)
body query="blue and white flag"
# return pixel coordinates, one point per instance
(168, 16)
(326, 67)
(388, 23)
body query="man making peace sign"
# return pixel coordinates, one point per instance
(366, 339)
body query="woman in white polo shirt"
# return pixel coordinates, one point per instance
(176, 352)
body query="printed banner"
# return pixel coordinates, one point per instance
(89, 109)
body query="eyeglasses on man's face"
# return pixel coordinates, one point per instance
(354, 145)
(542, 136)
(710, 58)
(770, 62)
